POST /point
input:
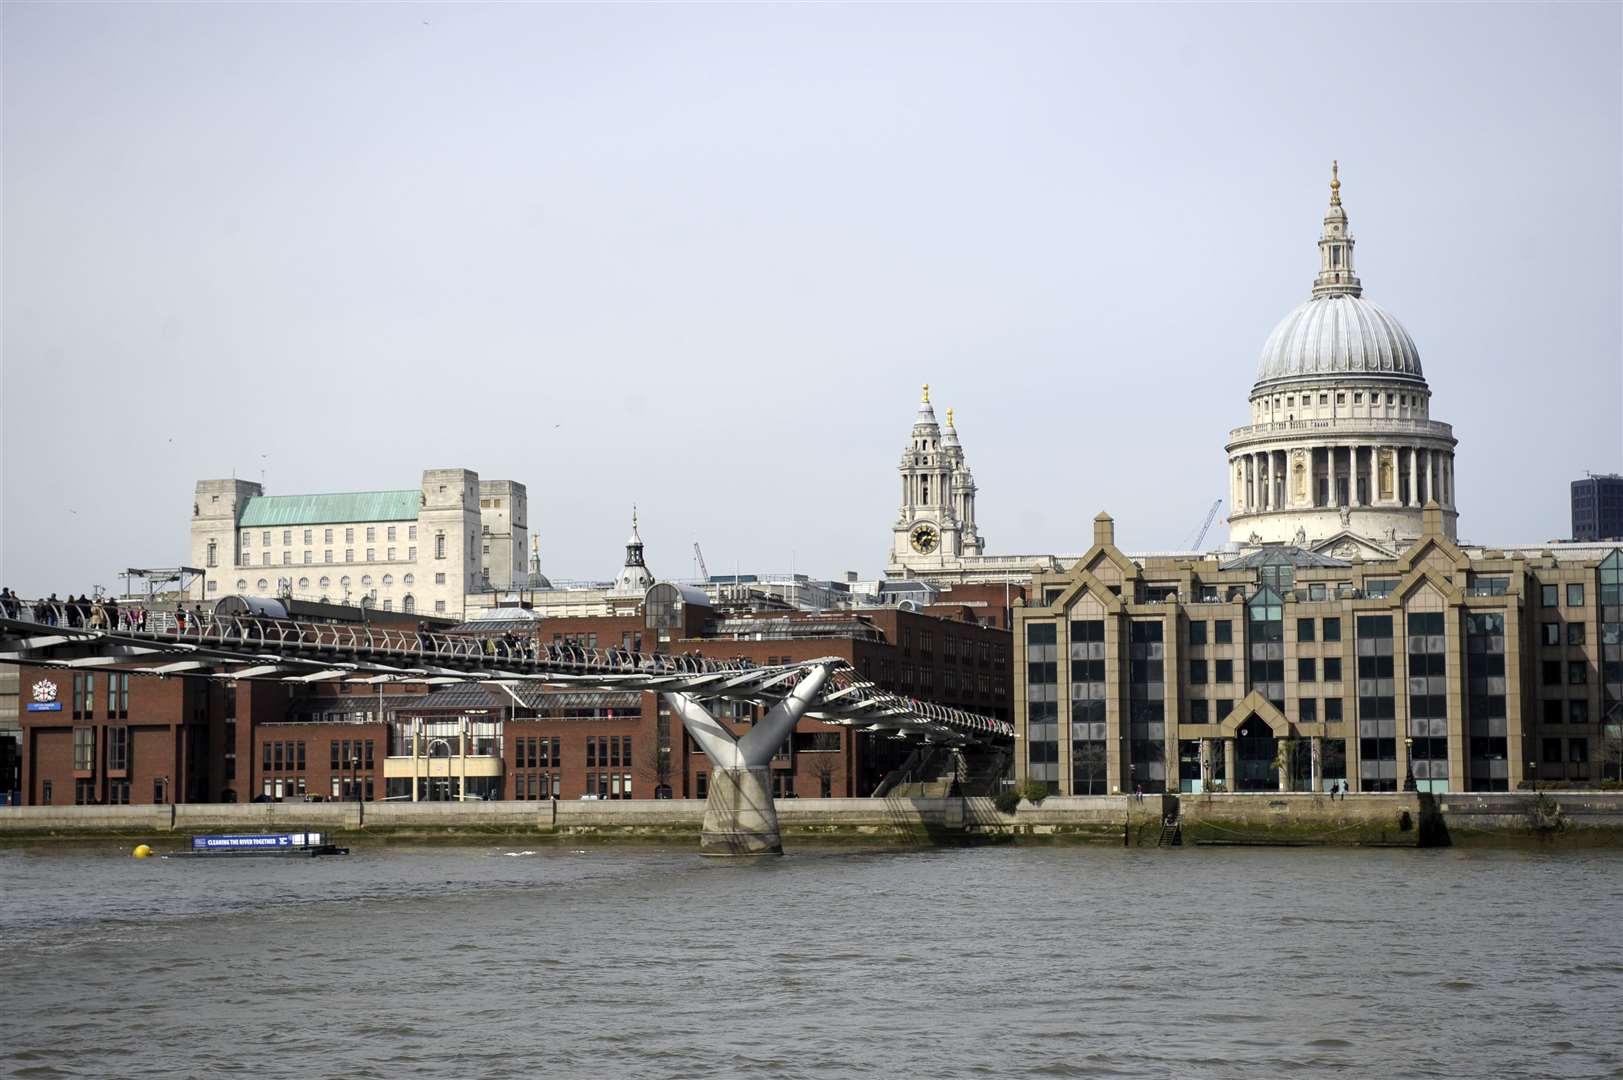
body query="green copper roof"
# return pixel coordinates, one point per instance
(331, 509)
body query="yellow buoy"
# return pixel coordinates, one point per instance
(142, 851)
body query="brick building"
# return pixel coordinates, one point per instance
(105, 737)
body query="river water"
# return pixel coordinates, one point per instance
(994, 962)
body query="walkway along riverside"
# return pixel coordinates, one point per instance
(1564, 819)
(741, 819)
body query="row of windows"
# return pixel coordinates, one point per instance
(118, 696)
(116, 744)
(1549, 595)
(390, 533)
(282, 756)
(309, 558)
(1577, 672)
(387, 581)
(1551, 633)
(608, 750)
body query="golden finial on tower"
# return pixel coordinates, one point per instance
(949, 416)
(1335, 183)
(926, 393)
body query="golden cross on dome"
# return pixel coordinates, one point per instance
(949, 416)
(926, 393)
(1335, 183)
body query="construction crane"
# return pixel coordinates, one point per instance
(1194, 545)
(698, 556)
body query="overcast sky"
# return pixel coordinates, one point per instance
(701, 257)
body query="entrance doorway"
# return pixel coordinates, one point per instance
(1254, 751)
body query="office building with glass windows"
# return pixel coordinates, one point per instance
(1284, 669)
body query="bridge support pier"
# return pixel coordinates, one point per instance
(740, 817)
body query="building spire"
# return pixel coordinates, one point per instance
(1336, 277)
(926, 400)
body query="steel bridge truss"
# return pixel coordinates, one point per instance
(238, 647)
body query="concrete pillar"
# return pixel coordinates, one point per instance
(1284, 768)
(1312, 478)
(1207, 765)
(1414, 480)
(1316, 748)
(1353, 498)
(739, 815)
(1231, 764)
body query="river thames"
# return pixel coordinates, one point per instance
(999, 962)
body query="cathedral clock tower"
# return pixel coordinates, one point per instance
(936, 524)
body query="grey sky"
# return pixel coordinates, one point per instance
(701, 257)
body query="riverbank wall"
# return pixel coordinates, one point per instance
(1580, 819)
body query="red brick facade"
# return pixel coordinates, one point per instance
(146, 739)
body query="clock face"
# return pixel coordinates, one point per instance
(924, 539)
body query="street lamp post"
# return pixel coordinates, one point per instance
(354, 782)
(1408, 765)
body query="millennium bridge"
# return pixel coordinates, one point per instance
(740, 818)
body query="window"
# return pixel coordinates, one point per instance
(1223, 671)
(264, 538)
(1578, 750)
(326, 536)
(349, 536)
(408, 604)
(1577, 672)
(439, 579)
(263, 585)
(1224, 631)
(409, 580)
(1306, 669)
(1304, 629)
(1575, 633)
(1550, 673)
(84, 749)
(264, 558)
(308, 535)
(247, 538)
(304, 583)
(1551, 749)
(411, 532)
(326, 556)
(1332, 669)
(1578, 711)
(390, 555)
(287, 536)
(1575, 595)
(212, 558)
(1197, 633)
(1199, 711)
(371, 554)
(1551, 633)
(411, 553)
(1547, 596)
(366, 581)
(349, 554)
(388, 580)
(287, 558)
(390, 534)
(344, 581)
(439, 605)
(1307, 711)
(1197, 672)
(439, 546)
(1332, 629)
(1332, 710)
(371, 534)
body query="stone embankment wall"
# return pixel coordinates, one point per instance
(1407, 820)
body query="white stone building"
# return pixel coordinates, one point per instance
(416, 549)
(1341, 453)
(934, 537)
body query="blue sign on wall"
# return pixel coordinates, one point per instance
(44, 706)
